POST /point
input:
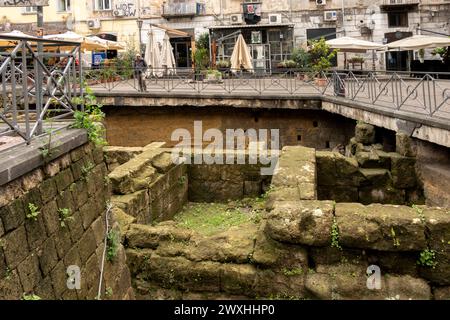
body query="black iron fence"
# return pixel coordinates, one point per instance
(38, 84)
(421, 94)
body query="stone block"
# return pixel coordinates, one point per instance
(48, 190)
(59, 279)
(379, 227)
(87, 245)
(50, 216)
(372, 160)
(63, 242)
(219, 191)
(252, 188)
(163, 162)
(365, 133)
(47, 255)
(64, 179)
(13, 215)
(238, 279)
(36, 233)
(403, 145)
(132, 204)
(15, 247)
(403, 171)
(29, 272)
(136, 174)
(338, 193)
(439, 274)
(437, 221)
(326, 168)
(384, 195)
(301, 222)
(99, 229)
(44, 289)
(65, 200)
(145, 236)
(75, 225)
(11, 289)
(376, 177)
(89, 212)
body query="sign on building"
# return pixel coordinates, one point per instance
(23, 3)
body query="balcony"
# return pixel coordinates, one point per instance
(182, 9)
(389, 5)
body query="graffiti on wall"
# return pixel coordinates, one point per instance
(125, 8)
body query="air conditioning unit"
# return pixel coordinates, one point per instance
(321, 2)
(330, 16)
(119, 13)
(236, 19)
(274, 18)
(94, 24)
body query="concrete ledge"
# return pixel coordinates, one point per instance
(22, 159)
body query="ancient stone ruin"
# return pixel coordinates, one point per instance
(345, 224)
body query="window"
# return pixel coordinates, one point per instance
(29, 10)
(102, 5)
(63, 5)
(397, 19)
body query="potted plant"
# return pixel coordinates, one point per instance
(223, 65)
(356, 60)
(302, 59)
(201, 62)
(213, 76)
(321, 60)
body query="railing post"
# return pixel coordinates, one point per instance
(25, 90)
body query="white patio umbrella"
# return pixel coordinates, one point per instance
(240, 58)
(87, 44)
(14, 33)
(349, 43)
(418, 42)
(110, 45)
(167, 57)
(152, 55)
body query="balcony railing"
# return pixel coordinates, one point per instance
(399, 2)
(183, 9)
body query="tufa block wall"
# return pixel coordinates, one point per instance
(35, 253)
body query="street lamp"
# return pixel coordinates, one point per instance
(140, 22)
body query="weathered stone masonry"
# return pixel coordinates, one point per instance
(34, 255)
(303, 248)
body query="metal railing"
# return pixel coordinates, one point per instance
(420, 94)
(187, 8)
(38, 84)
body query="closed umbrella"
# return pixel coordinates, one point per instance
(167, 57)
(240, 58)
(418, 42)
(152, 55)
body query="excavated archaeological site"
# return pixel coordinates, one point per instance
(346, 224)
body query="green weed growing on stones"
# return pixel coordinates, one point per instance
(30, 297)
(86, 169)
(33, 212)
(335, 235)
(427, 258)
(64, 216)
(112, 245)
(91, 118)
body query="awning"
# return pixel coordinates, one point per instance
(419, 42)
(353, 44)
(252, 26)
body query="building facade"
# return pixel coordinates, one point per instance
(272, 28)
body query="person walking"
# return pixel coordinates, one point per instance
(140, 68)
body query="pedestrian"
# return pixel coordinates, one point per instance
(140, 68)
